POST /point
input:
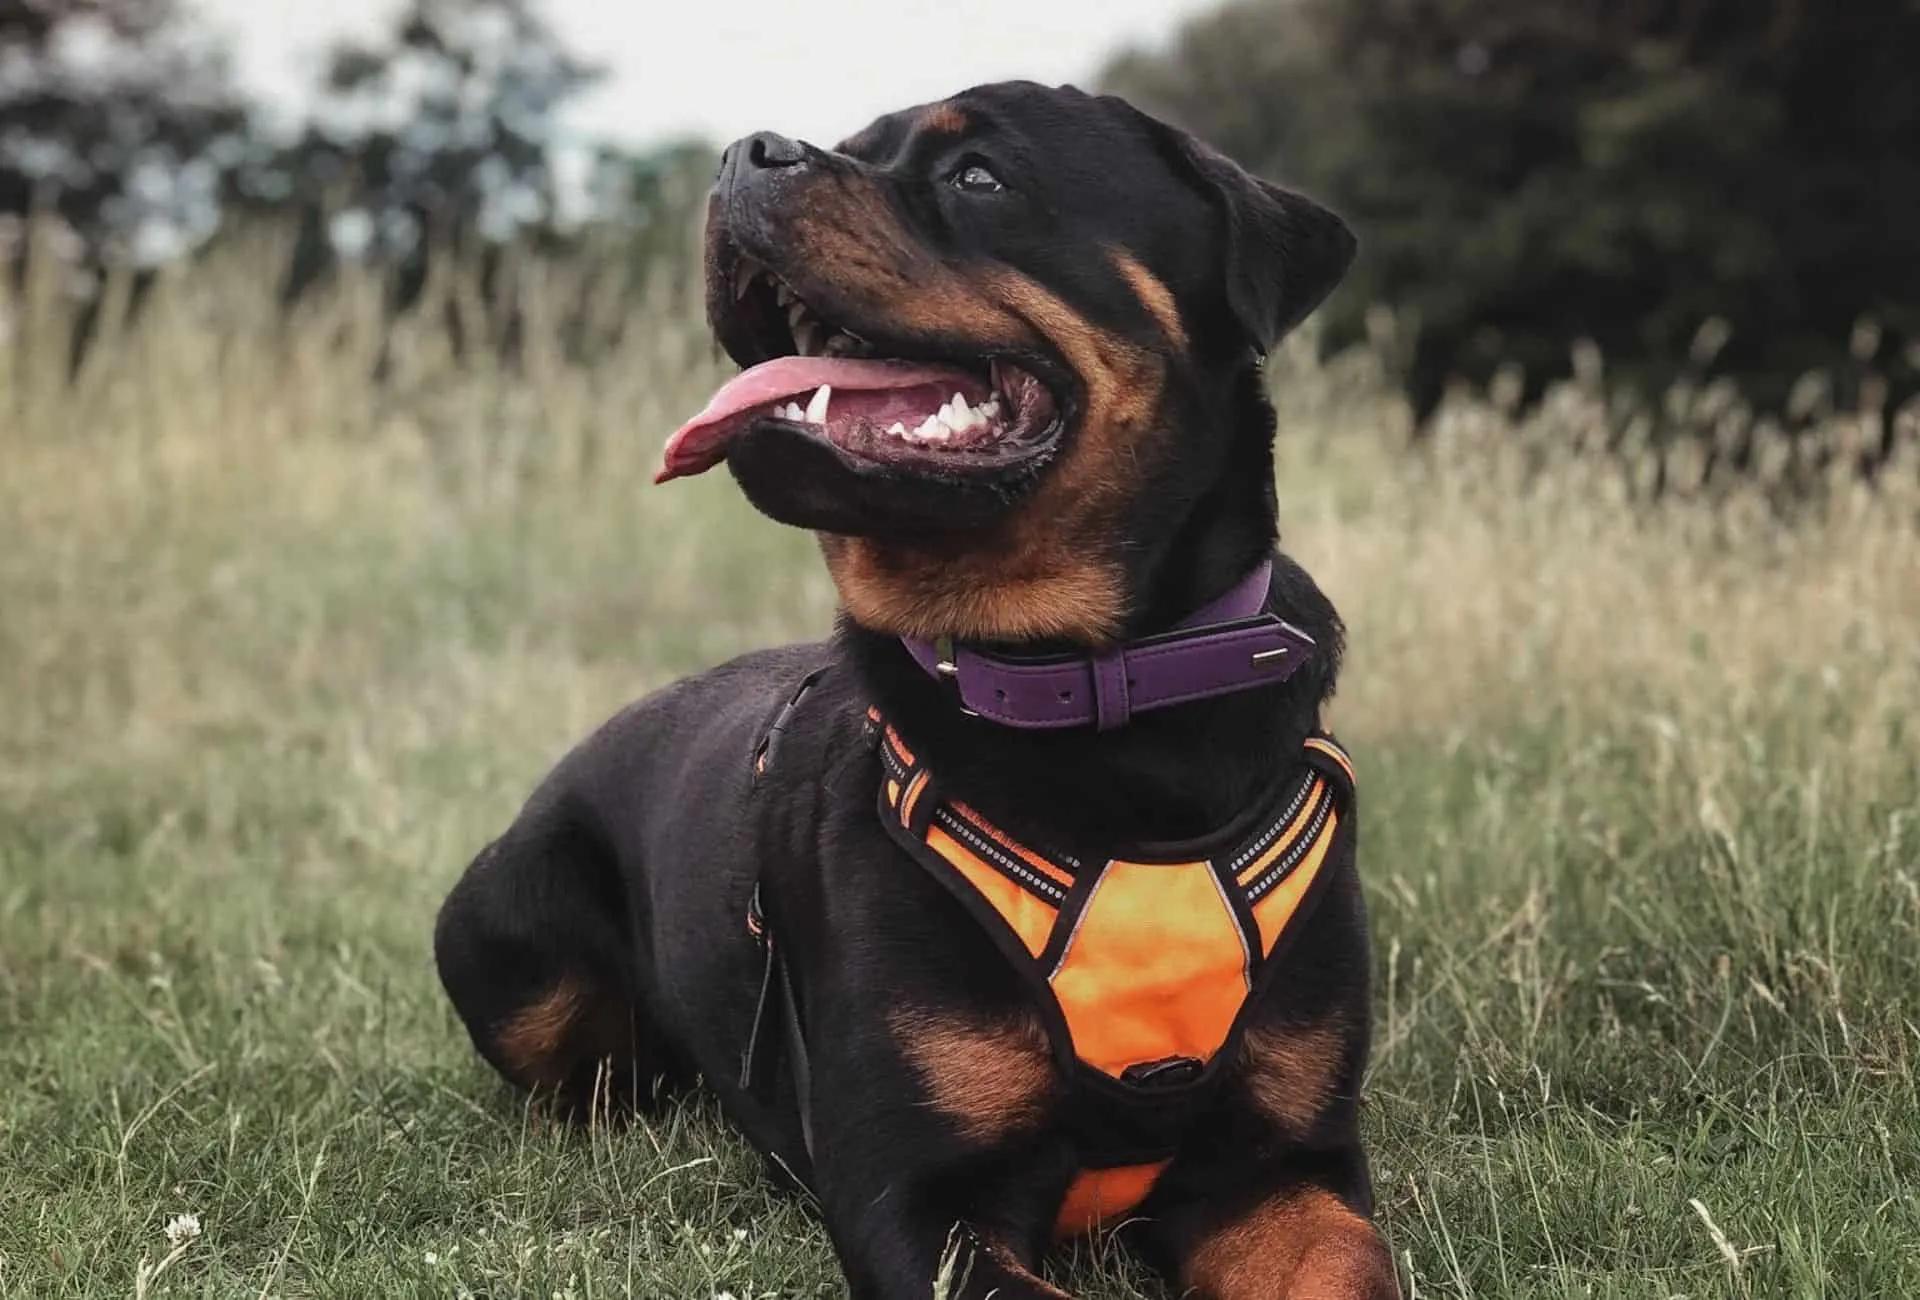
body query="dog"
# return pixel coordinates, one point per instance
(1027, 903)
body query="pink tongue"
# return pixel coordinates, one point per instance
(701, 443)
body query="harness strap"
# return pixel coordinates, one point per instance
(777, 1000)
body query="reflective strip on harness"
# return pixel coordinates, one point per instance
(1147, 964)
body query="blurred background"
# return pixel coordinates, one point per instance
(1723, 184)
(338, 342)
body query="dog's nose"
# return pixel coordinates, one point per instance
(768, 150)
(763, 151)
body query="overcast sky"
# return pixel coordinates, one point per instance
(721, 68)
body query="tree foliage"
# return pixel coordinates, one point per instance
(113, 117)
(1525, 174)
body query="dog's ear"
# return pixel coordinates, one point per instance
(1283, 253)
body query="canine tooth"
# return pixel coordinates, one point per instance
(781, 293)
(807, 335)
(817, 408)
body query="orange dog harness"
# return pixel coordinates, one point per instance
(1142, 965)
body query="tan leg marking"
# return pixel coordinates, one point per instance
(991, 1080)
(531, 1042)
(1304, 1245)
(1293, 1073)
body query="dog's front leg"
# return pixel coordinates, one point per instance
(904, 1253)
(933, 1166)
(1299, 1240)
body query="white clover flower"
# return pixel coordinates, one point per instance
(181, 1229)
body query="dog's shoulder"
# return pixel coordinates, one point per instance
(706, 742)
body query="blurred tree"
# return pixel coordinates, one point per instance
(1527, 174)
(119, 119)
(656, 198)
(440, 136)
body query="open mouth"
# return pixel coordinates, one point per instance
(952, 416)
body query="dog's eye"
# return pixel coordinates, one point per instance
(975, 177)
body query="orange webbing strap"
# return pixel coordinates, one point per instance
(1025, 889)
(1279, 878)
(1097, 1197)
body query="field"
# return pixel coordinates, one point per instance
(280, 649)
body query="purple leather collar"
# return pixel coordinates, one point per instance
(1231, 645)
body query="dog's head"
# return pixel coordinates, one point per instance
(1000, 355)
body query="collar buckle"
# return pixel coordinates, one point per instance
(946, 665)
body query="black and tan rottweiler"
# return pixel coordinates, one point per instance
(1027, 903)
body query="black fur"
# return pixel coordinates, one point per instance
(627, 875)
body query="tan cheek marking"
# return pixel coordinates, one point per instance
(1305, 1245)
(1123, 382)
(1048, 570)
(532, 1040)
(1292, 1073)
(990, 1080)
(1153, 295)
(887, 275)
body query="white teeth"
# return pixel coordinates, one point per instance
(791, 411)
(817, 408)
(898, 429)
(782, 294)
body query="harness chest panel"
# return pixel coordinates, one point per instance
(1142, 968)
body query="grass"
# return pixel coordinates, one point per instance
(279, 651)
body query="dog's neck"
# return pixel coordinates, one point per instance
(1175, 773)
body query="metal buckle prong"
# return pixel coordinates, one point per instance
(944, 663)
(948, 667)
